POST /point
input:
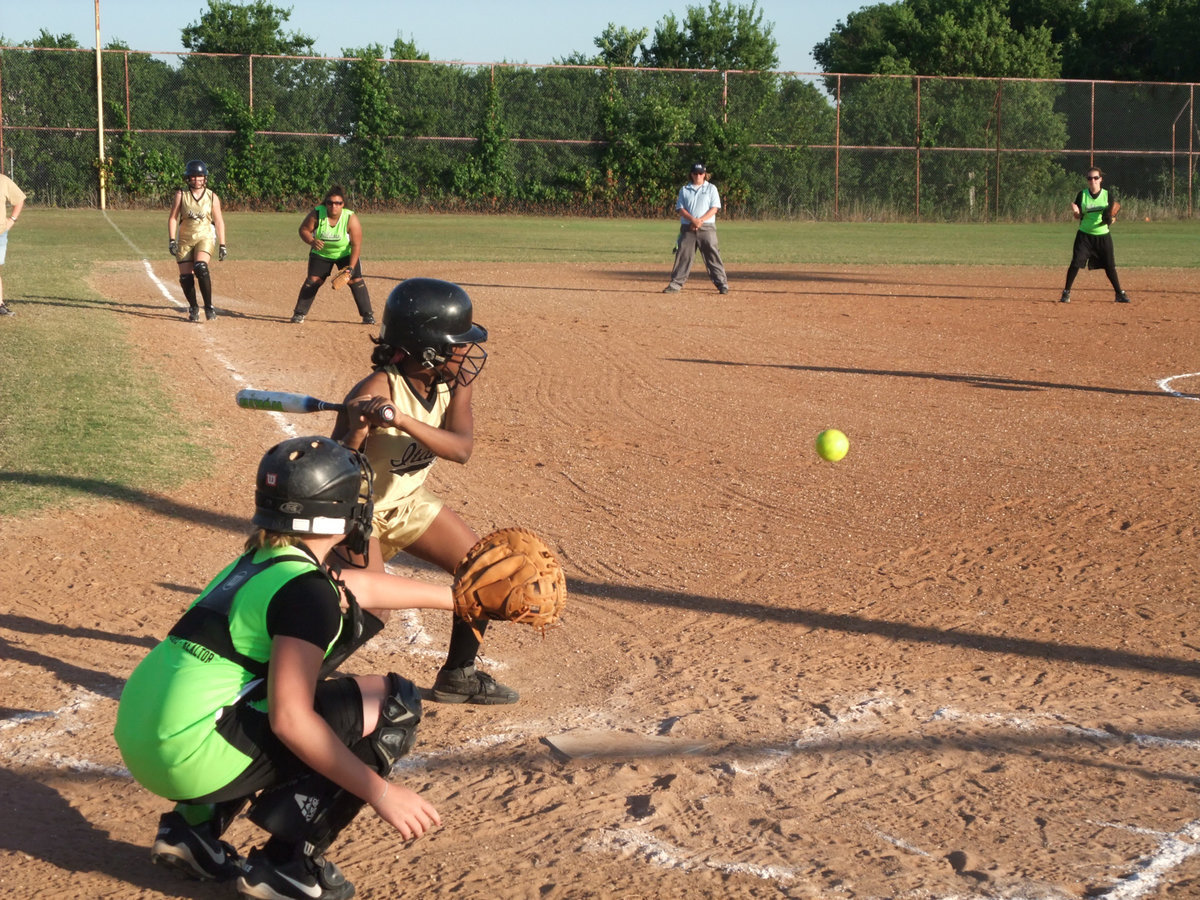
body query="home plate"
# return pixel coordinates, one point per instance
(590, 744)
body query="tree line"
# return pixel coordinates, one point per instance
(613, 132)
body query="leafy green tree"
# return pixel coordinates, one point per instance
(939, 37)
(717, 36)
(620, 46)
(257, 27)
(1113, 42)
(53, 94)
(959, 117)
(487, 174)
(375, 120)
(1175, 36)
(65, 41)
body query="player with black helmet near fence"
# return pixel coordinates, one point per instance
(425, 361)
(195, 232)
(237, 704)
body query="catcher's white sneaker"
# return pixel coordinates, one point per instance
(306, 878)
(193, 851)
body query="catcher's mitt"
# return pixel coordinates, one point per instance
(342, 278)
(512, 575)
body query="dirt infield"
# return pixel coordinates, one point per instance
(961, 663)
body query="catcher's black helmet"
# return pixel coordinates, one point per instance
(314, 485)
(428, 319)
(195, 167)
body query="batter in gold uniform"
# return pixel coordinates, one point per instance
(425, 361)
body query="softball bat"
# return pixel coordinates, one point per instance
(282, 401)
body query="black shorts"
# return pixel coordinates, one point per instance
(338, 701)
(1093, 250)
(321, 266)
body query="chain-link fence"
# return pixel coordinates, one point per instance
(277, 131)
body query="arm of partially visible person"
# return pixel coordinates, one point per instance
(291, 687)
(16, 211)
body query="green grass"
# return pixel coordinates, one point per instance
(81, 415)
(273, 236)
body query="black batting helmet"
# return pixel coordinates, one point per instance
(428, 319)
(314, 485)
(195, 167)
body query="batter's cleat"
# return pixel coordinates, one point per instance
(368, 320)
(724, 289)
(671, 289)
(193, 851)
(1122, 297)
(194, 314)
(297, 319)
(5, 311)
(465, 685)
(1065, 298)
(209, 313)
(306, 878)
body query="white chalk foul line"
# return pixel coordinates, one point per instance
(1165, 385)
(1173, 849)
(663, 854)
(285, 425)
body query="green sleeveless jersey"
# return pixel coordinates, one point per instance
(1091, 220)
(216, 655)
(335, 236)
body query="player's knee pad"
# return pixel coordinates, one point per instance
(201, 270)
(398, 719)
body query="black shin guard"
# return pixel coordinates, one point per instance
(188, 283)
(205, 282)
(362, 297)
(304, 301)
(312, 809)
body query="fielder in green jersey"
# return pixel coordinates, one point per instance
(1096, 209)
(335, 235)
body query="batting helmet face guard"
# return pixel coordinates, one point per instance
(195, 168)
(431, 321)
(314, 485)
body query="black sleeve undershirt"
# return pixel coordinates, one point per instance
(308, 608)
